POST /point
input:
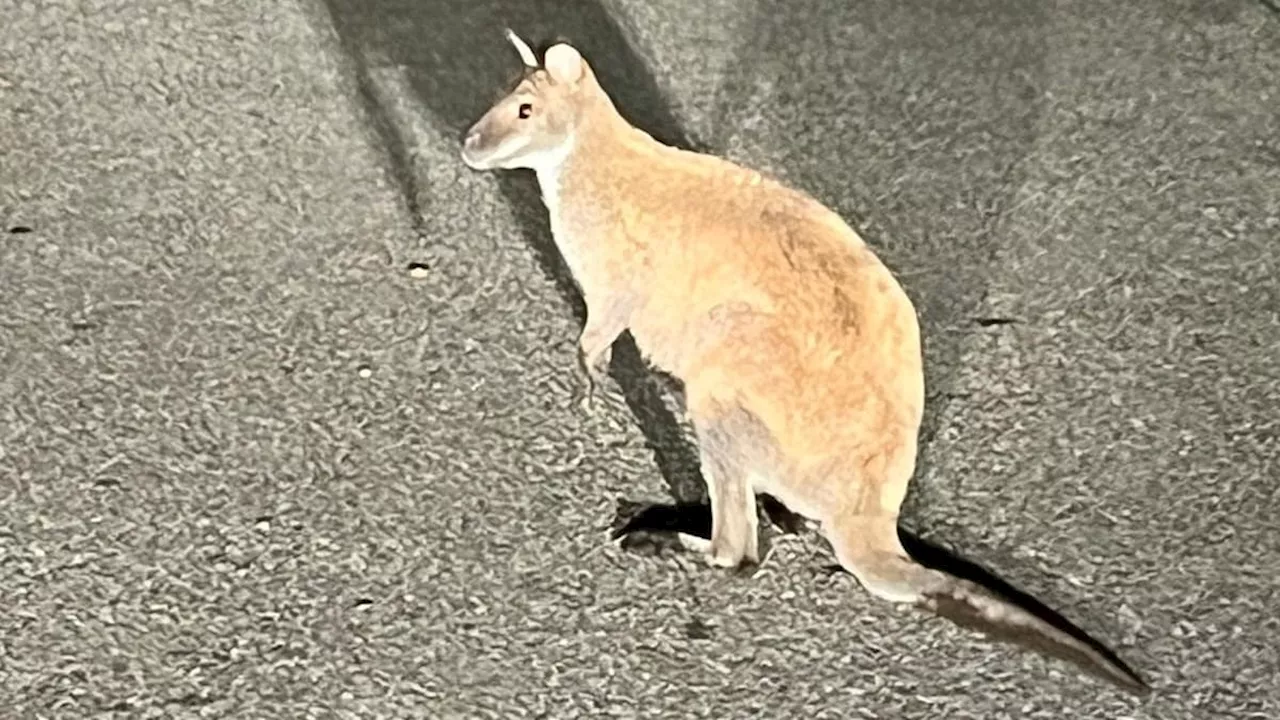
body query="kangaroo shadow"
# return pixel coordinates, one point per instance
(655, 529)
(457, 62)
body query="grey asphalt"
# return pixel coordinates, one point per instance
(285, 391)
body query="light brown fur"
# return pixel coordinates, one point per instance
(799, 350)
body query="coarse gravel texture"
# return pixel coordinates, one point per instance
(286, 419)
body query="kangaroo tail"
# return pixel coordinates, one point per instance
(873, 553)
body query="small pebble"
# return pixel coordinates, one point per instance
(418, 271)
(365, 371)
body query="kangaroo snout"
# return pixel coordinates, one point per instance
(470, 143)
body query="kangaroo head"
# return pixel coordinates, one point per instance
(533, 125)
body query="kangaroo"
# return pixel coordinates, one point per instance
(799, 351)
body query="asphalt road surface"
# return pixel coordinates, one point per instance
(285, 391)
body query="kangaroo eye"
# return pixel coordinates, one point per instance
(525, 110)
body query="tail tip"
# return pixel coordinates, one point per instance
(1084, 652)
(1132, 681)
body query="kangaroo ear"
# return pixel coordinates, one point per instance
(563, 63)
(522, 47)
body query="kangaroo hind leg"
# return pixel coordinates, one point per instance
(730, 445)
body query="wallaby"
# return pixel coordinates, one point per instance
(799, 352)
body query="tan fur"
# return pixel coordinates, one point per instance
(799, 351)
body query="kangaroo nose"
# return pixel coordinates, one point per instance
(469, 145)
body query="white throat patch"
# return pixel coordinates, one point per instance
(547, 166)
